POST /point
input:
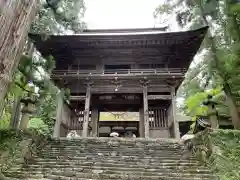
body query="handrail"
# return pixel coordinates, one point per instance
(120, 71)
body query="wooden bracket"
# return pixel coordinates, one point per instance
(144, 81)
(88, 82)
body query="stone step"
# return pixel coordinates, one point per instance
(62, 178)
(103, 169)
(146, 159)
(112, 164)
(118, 149)
(77, 148)
(115, 144)
(164, 141)
(109, 154)
(121, 149)
(111, 159)
(107, 175)
(136, 143)
(52, 177)
(160, 165)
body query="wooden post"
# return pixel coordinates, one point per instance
(175, 123)
(15, 116)
(146, 114)
(86, 111)
(94, 119)
(56, 131)
(141, 123)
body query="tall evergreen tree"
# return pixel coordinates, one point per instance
(53, 17)
(15, 19)
(221, 64)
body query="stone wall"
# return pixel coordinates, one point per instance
(159, 133)
(65, 119)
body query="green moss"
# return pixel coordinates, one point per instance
(220, 150)
(18, 144)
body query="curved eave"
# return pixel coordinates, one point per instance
(176, 48)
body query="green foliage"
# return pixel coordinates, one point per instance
(47, 107)
(194, 105)
(59, 17)
(6, 115)
(35, 70)
(5, 119)
(220, 150)
(18, 144)
(38, 125)
(32, 80)
(218, 61)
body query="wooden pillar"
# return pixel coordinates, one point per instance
(146, 114)
(15, 116)
(174, 111)
(141, 123)
(86, 112)
(57, 127)
(94, 119)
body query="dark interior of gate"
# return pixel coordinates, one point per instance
(123, 113)
(119, 81)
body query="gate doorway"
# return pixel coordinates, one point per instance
(124, 123)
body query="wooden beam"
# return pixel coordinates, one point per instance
(141, 123)
(94, 120)
(86, 112)
(175, 122)
(123, 89)
(77, 98)
(146, 114)
(162, 97)
(101, 76)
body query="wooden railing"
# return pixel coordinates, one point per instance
(120, 71)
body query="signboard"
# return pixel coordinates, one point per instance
(119, 116)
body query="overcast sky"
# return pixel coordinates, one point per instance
(111, 14)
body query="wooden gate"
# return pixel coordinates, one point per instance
(157, 118)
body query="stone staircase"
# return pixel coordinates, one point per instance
(111, 158)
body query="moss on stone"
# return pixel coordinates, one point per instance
(220, 150)
(18, 145)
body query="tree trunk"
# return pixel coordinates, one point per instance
(232, 107)
(15, 18)
(226, 88)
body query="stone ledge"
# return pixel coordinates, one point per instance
(124, 140)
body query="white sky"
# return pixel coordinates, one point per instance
(112, 14)
(117, 14)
